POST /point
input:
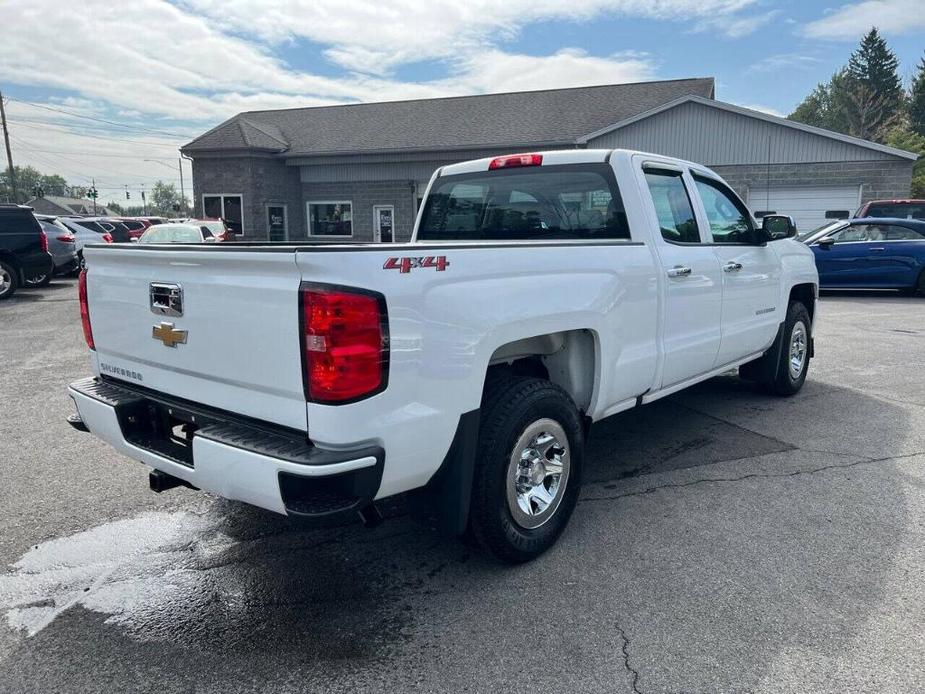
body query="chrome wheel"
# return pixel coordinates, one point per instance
(6, 281)
(798, 345)
(36, 281)
(537, 473)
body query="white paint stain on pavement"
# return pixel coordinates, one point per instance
(125, 569)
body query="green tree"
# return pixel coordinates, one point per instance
(825, 106)
(917, 100)
(115, 207)
(911, 141)
(163, 198)
(864, 99)
(874, 101)
(28, 182)
(28, 179)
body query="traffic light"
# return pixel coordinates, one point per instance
(128, 196)
(142, 195)
(93, 194)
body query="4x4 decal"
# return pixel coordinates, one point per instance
(405, 265)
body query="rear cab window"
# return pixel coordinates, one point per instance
(535, 203)
(897, 210)
(676, 218)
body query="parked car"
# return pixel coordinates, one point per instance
(894, 209)
(536, 296)
(61, 244)
(23, 249)
(85, 232)
(217, 227)
(136, 227)
(178, 233)
(871, 253)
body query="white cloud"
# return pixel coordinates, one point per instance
(785, 61)
(201, 61)
(735, 26)
(852, 20)
(372, 36)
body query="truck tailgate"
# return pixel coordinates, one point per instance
(239, 308)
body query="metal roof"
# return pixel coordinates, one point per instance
(751, 113)
(550, 117)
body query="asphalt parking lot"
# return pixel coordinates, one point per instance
(725, 542)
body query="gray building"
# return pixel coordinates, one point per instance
(357, 172)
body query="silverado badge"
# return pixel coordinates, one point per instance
(165, 333)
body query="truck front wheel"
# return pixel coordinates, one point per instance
(528, 468)
(783, 371)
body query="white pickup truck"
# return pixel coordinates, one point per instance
(539, 293)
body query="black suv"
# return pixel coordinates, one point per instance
(23, 248)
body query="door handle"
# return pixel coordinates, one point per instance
(679, 271)
(732, 266)
(879, 249)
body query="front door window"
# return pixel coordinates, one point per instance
(383, 222)
(276, 223)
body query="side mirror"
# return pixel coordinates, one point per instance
(778, 226)
(827, 242)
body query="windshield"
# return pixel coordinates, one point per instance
(171, 233)
(575, 201)
(897, 210)
(819, 231)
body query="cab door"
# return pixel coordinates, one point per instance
(751, 274)
(691, 277)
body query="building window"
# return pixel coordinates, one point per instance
(330, 218)
(229, 207)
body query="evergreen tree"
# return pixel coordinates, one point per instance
(874, 100)
(917, 100)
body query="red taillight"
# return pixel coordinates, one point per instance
(107, 238)
(64, 238)
(43, 241)
(85, 308)
(513, 160)
(344, 344)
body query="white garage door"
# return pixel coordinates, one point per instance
(806, 204)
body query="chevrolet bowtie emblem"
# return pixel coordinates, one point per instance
(166, 334)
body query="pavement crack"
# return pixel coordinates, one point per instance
(624, 648)
(753, 475)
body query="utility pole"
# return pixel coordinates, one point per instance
(9, 154)
(182, 193)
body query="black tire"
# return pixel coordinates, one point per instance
(783, 380)
(9, 280)
(511, 407)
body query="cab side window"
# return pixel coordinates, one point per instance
(673, 206)
(852, 234)
(897, 233)
(730, 221)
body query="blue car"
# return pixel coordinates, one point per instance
(870, 253)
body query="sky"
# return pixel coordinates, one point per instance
(107, 92)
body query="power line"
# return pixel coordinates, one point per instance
(98, 120)
(96, 154)
(49, 161)
(25, 123)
